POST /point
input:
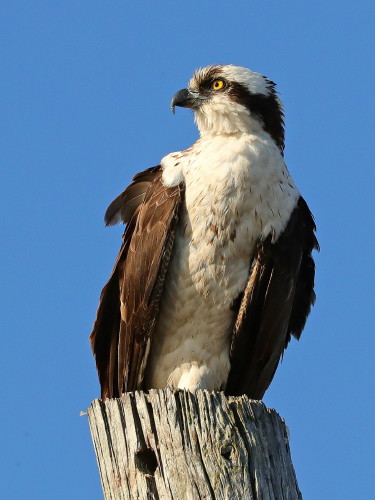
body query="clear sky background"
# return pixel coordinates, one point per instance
(85, 90)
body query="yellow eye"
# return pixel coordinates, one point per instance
(217, 84)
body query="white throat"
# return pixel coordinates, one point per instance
(220, 117)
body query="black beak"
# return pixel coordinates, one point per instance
(186, 98)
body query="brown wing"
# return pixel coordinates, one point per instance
(274, 306)
(129, 301)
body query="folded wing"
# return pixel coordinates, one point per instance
(129, 302)
(274, 306)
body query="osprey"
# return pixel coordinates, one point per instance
(215, 271)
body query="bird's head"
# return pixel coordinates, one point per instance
(228, 99)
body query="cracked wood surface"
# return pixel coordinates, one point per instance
(182, 446)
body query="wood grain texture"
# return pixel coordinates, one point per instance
(183, 446)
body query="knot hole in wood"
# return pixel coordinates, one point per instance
(146, 461)
(226, 451)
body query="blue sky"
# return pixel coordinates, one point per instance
(85, 93)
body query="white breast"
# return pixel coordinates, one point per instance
(238, 190)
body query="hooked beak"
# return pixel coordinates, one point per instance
(186, 98)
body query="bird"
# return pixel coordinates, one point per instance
(215, 273)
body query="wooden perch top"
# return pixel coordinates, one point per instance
(183, 446)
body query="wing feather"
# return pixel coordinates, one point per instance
(274, 306)
(130, 300)
(123, 207)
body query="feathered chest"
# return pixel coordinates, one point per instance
(237, 191)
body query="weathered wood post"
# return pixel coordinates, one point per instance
(183, 446)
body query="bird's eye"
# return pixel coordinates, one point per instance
(217, 85)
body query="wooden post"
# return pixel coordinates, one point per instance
(183, 446)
